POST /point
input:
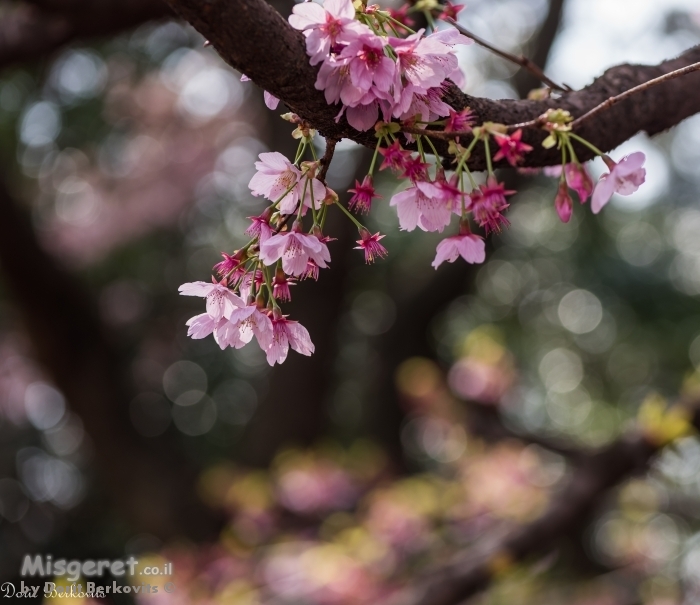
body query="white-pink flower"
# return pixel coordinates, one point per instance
(624, 178)
(423, 205)
(243, 324)
(295, 249)
(285, 334)
(221, 301)
(467, 245)
(200, 326)
(427, 61)
(325, 26)
(277, 178)
(368, 64)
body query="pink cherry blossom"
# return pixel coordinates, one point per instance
(624, 178)
(201, 326)
(285, 334)
(467, 245)
(370, 244)
(277, 178)
(295, 249)
(280, 286)
(415, 169)
(488, 203)
(244, 323)
(579, 180)
(422, 205)
(511, 147)
(395, 157)
(325, 26)
(260, 226)
(450, 11)
(231, 263)
(563, 203)
(459, 121)
(364, 193)
(221, 301)
(369, 66)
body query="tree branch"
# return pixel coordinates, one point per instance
(595, 474)
(40, 27)
(255, 39)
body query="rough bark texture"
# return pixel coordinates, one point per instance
(255, 39)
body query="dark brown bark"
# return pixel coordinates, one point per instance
(153, 488)
(255, 39)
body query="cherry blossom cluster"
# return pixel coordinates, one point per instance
(394, 85)
(371, 71)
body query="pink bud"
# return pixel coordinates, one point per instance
(563, 203)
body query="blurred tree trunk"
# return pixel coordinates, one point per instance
(154, 490)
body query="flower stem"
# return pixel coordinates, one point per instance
(583, 141)
(358, 224)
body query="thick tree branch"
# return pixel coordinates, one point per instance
(255, 39)
(594, 475)
(37, 28)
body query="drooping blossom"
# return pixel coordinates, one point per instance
(325, 26)
(311, 271)
(624, 178)
(415, 169)
(244, 323)
(249, 279)
(364, 193)
(488, 204)
(459, 121)
(451, 192)
(469, 246)
(450, 11)
(201, 326)
(278, 179)
(232, 265)
(563, 203)
(221, 301)
(370, 244)
(295, 249)
(395, 157)
(401, 15)
(280, 286)
(511, 147)
(260, 226)
(579, 180)
(285, 334)
(422, 205)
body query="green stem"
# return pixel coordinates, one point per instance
(358, 224)
(388, 17)
(374, 157)
(300, 152)
(487, 150)
(583, 141)
(435, 153)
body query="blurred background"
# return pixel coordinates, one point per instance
(441, 408)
